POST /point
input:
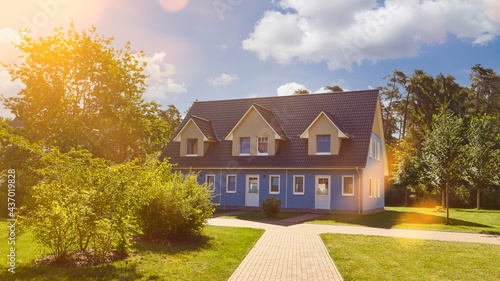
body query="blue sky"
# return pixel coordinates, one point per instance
(223, 49)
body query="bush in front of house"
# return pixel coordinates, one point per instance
(271, 206)
(176, 206)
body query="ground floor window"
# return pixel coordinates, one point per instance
(231, 184)
(298, 185)
(348, 185)
(274, 184)
(371, 187)
(210, 180)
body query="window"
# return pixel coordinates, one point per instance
(262, 145)
(323, 186)
(323, 144)
(370, 153)
(298, 185)
(231, 184)
(374, 149)
(210, 180)
(371, 188)
(245, 146)
(378, 188)
(347, 185)
(274, 184)
(192, 146)
(379, 151)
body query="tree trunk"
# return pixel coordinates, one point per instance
(478, 196)
(442, 198)
(406, 196)
(447, 207)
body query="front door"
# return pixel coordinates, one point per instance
(252, 191)
(323, 192)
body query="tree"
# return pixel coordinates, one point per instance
(443, 152)
(485, 88)
(483, 155)
(301, 92)
(334, 89)
(173, 118)
(81, 92)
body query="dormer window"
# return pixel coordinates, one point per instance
(262, 145)
(244, 146)
(323, 144)
(192, 147)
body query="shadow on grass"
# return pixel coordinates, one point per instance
(102, 272)
(121, 270)
(261, 216)
(389, 219)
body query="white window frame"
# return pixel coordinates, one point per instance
(235, 183)
(303, 184)
(329, 184)
(249, 149)
(378, 188)
(370, 153)
(187, 147)
(379, 151)
(323, 153)
(271, 182)
(353, 186)
(374, 150)
(262, 153)
(370, 187)
(212, 188)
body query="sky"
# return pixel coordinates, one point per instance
(226, 49)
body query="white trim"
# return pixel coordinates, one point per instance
(249, 146)
(246, 189)
(230, 135)
(212, 188)
(178, 137)
(378, 188)
(323, 153)
(262, 153)
(353, 186)
(370, 154)
(305, 134)
(370, 187)
(303, 185)
(235, 183)
(316, 195)
(271, 183)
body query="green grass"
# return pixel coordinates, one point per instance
(214, 258)
(360, 257)
(468, 220)
(260, 215)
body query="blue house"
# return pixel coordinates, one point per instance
(316, 151)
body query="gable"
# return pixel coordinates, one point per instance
(251, 121)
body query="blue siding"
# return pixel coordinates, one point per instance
(290, 200)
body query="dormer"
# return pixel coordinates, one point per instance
(257, 133)
(324, 135)
(195, 137)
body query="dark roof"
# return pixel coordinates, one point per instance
(206, 127)
(270, 118)
(353, 111)
(16, 123)
(337, 123)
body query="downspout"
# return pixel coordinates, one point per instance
(359, 191)
(220, 185)
(286, 189)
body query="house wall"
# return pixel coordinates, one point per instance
(253, 126)
(375, 170)
(290, 200)
(192, 132)
(323, 126)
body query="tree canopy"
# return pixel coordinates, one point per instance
(82, 92)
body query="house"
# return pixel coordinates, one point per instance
(316, 151)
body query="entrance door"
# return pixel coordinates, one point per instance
(252, 191)
(322, 192)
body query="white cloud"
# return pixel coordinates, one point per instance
(346, 32)
(223, 80)
(161, 85)
(8, 54)
(289, 89)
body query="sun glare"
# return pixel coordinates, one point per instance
(173, 5)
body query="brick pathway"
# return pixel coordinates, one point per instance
(290, 250)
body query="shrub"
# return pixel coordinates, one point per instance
(271, 206)
(177, 206)
(84, 203)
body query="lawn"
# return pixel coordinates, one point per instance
(260, 215)
(213, 258)
(360, 257)
(469, 220)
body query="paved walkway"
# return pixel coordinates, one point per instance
(290, 250)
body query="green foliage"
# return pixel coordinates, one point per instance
(84, 203)
(301, 92)
(271, 206)
(81, 92)
(176, 206)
